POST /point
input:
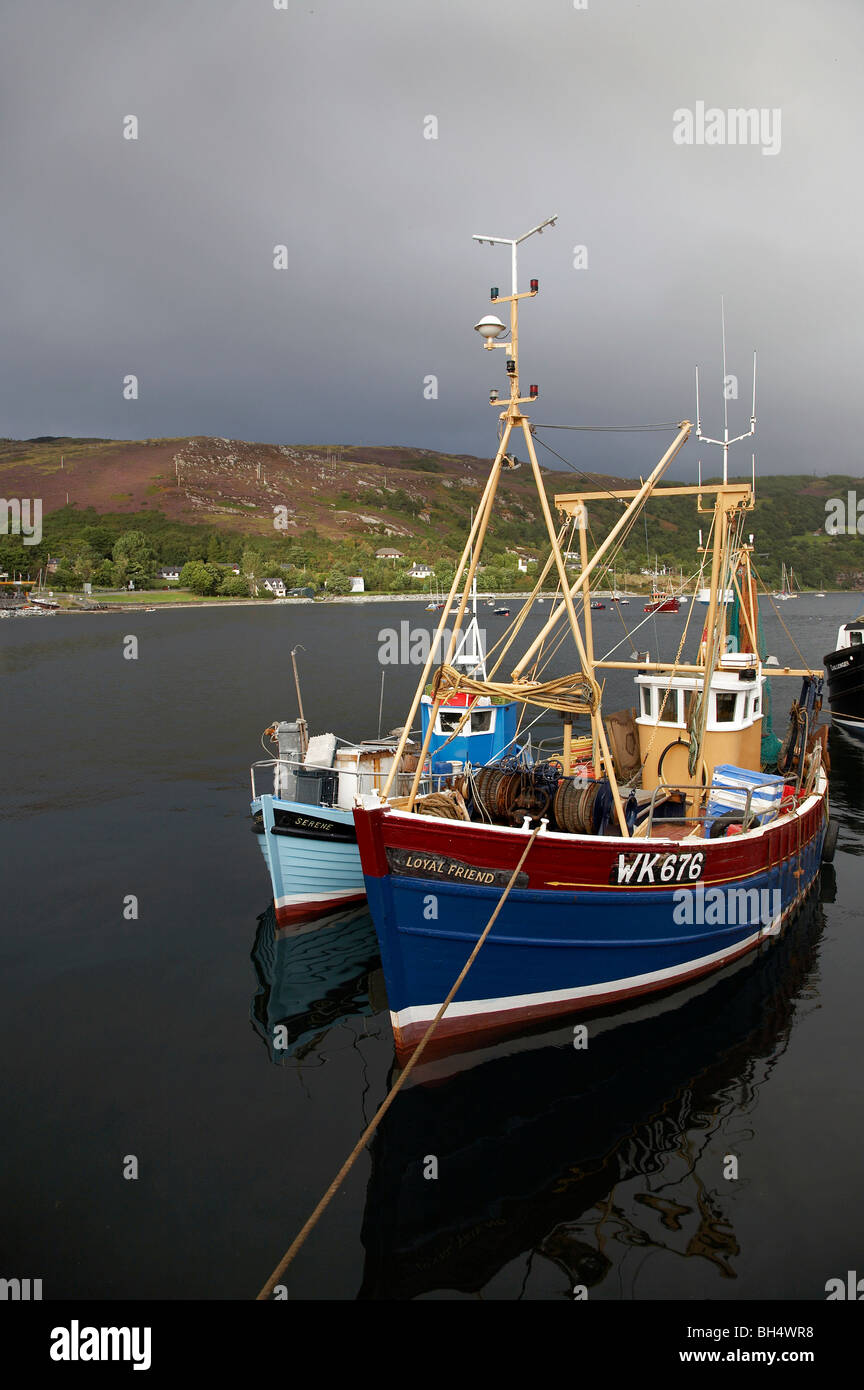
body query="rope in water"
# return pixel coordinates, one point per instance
(373, 1125)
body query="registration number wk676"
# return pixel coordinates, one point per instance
(644, 867)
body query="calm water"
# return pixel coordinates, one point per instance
(148, 1037)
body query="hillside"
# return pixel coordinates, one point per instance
(207, 498)
(386, 492)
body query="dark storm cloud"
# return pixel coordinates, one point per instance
(305, 127)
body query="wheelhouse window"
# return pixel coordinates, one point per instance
(668, 707)
(479, 721)
(726, 706)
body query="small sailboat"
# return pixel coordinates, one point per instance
(436, 599)
(787, 588)
(39, 598)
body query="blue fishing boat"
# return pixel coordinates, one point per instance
(501, 1122)
(676, 853)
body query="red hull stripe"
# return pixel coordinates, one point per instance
(287, 912)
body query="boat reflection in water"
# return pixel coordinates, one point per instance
(313, 977)
(847, 774)
(544, 1149)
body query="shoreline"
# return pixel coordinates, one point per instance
(198, 605)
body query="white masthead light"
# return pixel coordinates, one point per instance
(489, 327)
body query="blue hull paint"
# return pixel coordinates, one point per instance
(547, 942)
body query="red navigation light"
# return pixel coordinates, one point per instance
(534, 392)
(535, 285)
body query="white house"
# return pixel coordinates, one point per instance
(275, 586)
(357, 584)
(388, 554)
(420, 571)
(171, 572)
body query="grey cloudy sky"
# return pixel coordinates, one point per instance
(305, 127)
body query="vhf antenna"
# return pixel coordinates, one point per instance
(726, 441)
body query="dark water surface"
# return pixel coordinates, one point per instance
(148, 1037)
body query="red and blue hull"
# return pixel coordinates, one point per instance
(586, 925)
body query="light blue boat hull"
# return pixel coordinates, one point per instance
(311, 855)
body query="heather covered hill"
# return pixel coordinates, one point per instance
(389, 491)
(198, 496)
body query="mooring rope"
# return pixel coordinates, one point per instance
(373, 1125)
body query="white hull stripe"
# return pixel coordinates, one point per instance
(473, 1007)
(292, 899)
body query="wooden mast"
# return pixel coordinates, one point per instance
(488, 492)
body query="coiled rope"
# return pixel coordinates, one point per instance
(578, 693)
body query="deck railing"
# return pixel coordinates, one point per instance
(356, 782)
(748, 815)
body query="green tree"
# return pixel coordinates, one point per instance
(134, 550)
(338, 582)
(234, 586)
(85, 562)
(200, 578)
(103, 574)
(251, 563)
(214, 548)
(63, 578)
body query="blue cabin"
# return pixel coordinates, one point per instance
(488, 732)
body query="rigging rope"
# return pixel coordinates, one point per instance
(391, 1096)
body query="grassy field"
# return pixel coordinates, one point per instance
(153, 597)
